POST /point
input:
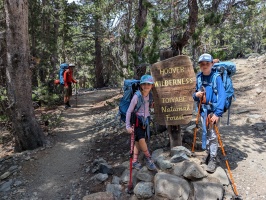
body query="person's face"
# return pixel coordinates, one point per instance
(71, 68)
(205, 67)
(146, 87)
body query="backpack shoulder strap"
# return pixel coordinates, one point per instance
(214, 84)
(199, 81)
(140, 100)
(150, 99)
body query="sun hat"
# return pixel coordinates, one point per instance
(205, 57)
(146, 79)
(71, 65)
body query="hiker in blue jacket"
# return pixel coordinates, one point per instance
(212, 102)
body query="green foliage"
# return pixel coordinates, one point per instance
(3, 104)
(63, 32)
(219, 53)
(212, 18)
(51, 119)
(3, 95)
(41, 96)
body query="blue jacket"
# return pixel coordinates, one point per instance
(215, 101)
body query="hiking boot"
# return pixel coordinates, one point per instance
(150, 164)
(66, 107)
(136, 165)
(212, 165)
(205, 159)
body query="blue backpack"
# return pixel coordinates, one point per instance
(131, 87)
(226, 70)
(63, 68)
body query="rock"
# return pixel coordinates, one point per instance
(189, 170)
(179, 169)
(171, 187)
(156, 154)
(5, 175)
(193, 171)
(220, 175)
(125, 176)
(100, 177)
(207, 191)
(143, 190)
(116, 180)
(105, 169)
(180, 150)
(144, 175)
(115, 189)
(190, 129)
(163, 164)
(179, 158)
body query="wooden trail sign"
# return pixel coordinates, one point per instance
(174, 84)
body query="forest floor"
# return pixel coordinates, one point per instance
(88, 131)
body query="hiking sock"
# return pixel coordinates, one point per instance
(147, 154)
(135, 157)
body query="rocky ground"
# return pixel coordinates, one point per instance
(88, 133)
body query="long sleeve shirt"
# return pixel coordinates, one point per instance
(215, 100)
(68, 77)
(143, 110)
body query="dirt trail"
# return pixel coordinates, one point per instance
(245, 137)
(57, 172)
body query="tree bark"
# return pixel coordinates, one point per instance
(140, 39)
(3, 60)
(178, 44)
(127, 31)
(26, 130)
(98, 55)
(175, 136)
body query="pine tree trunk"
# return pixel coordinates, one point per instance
(179, 43)
(98, 55)
(27, 132)
(140, 39)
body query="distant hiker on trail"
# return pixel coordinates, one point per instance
(68, 80)
(140, 121)
(211, 102)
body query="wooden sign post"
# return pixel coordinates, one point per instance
(174, 81)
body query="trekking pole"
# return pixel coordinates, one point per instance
(76, 95)
(197, 121)
(226, 161)
(228, 116)
(196, 128)
(132, 140)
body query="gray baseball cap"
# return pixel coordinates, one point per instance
(205, 57)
